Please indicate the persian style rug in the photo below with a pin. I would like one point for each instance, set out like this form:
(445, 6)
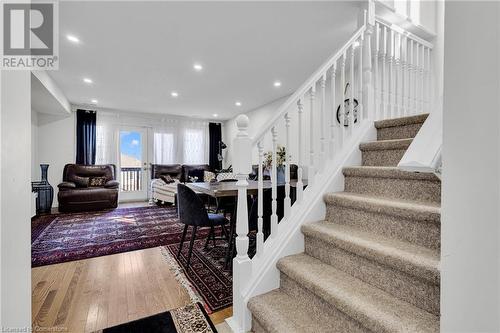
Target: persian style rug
(189, 319)
(206, 279)
(65, 237)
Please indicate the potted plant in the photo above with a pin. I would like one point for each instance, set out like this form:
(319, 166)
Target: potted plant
(280, 162)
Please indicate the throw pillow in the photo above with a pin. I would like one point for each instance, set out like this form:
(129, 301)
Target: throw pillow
(167, 179)
(226, 176)
(97, 181)
(208, 176)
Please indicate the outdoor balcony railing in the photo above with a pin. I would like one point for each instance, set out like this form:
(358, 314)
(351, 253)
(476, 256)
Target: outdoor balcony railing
(130, 179)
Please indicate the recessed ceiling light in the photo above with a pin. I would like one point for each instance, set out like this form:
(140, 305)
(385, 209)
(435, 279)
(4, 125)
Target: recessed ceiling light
(277, 83)
(237, 103)
(94, 101)
(73, 39)
(215, 115)
(87, 80)
(174, 94)
(197, 67)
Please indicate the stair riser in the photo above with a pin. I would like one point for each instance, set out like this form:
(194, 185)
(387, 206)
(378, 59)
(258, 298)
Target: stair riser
(417, 232)
(398, 132)
(408, 189)
(387, 157)
(320, 309)
(401, 285)
(257, 327)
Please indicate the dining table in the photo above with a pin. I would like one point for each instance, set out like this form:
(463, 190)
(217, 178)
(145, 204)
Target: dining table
(229, 189)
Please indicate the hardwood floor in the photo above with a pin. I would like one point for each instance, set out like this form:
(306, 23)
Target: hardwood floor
(96, 293)
(92, 294)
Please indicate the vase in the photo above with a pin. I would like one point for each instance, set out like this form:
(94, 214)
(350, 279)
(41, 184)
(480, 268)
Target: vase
(45, 192)
(280, 171)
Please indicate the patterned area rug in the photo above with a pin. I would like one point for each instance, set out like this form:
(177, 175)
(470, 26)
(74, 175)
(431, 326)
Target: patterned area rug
(65, 237)
(189, 319)
(206, 275)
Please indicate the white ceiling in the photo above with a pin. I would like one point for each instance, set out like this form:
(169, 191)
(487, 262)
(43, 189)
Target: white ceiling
(138, 52)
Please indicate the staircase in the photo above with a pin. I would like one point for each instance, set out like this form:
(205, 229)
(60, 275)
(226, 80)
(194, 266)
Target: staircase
(373, 264)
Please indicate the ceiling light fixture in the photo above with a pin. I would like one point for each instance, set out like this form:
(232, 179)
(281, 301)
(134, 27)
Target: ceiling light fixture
(355, 44)
(174, 94)
(87, 80)
(277, 84)
(237, 103)
(197, 67)
(73, 39)
(94, 101)
(215, 115)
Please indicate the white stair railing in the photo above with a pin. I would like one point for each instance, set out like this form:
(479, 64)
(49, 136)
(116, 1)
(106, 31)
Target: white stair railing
(402, 72)
(326, 117)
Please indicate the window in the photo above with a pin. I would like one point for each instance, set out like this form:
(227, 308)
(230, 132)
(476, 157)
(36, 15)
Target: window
(194, 146)
(164, 148)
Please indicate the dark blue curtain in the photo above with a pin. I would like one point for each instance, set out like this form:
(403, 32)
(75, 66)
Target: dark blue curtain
(85, 137)
(215, 141)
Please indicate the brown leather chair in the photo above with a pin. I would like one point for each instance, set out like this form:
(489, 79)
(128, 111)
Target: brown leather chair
(88, 187)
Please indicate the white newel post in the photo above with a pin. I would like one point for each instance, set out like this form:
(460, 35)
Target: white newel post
(368, 93)
(242, 266)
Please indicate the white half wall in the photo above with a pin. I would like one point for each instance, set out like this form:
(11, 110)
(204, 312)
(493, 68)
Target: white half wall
(470, 184)
(15, 203)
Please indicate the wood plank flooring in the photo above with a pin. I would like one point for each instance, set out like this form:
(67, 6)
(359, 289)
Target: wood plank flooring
(92, 294)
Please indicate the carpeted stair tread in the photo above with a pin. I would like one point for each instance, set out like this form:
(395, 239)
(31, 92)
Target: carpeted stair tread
(403, 121)
(275, 311)
(370, 306)
(409, 209)
(387, 172)
(386, 144)
(415, 260)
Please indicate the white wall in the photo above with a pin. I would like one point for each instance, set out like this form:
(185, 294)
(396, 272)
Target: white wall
(15, 197)
(35, 166)
(55, 145)
(470, 187)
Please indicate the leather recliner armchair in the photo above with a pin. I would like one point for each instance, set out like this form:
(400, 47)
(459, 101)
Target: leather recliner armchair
(88, 187)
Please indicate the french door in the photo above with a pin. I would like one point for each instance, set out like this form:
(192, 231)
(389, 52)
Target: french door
(134, 163)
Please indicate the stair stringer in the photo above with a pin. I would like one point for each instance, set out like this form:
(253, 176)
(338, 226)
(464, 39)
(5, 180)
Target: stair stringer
(289, 239)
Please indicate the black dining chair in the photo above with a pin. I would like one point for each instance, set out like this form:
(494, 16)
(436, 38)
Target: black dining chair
(192, 212)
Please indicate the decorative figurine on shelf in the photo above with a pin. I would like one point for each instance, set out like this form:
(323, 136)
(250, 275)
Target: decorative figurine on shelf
(45, 192)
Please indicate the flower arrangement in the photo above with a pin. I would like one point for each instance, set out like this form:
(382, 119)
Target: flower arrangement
(280, 157)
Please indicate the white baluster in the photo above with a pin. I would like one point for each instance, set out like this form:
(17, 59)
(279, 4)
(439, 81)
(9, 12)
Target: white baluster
(377, 77)
(287, 202)
(260, 202)
(322, 154)
(368, 102)
(422, 88)
(342, 117)
(311, 171)
(391, 75)
(361, 109)
(383, 78)
(274, 183)
(428, 83)
(397, 78)
(415, 77)
(351, 92)
(333, 112)
(403, 76)
(242, 265)
(410, 77)
(300, 184)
